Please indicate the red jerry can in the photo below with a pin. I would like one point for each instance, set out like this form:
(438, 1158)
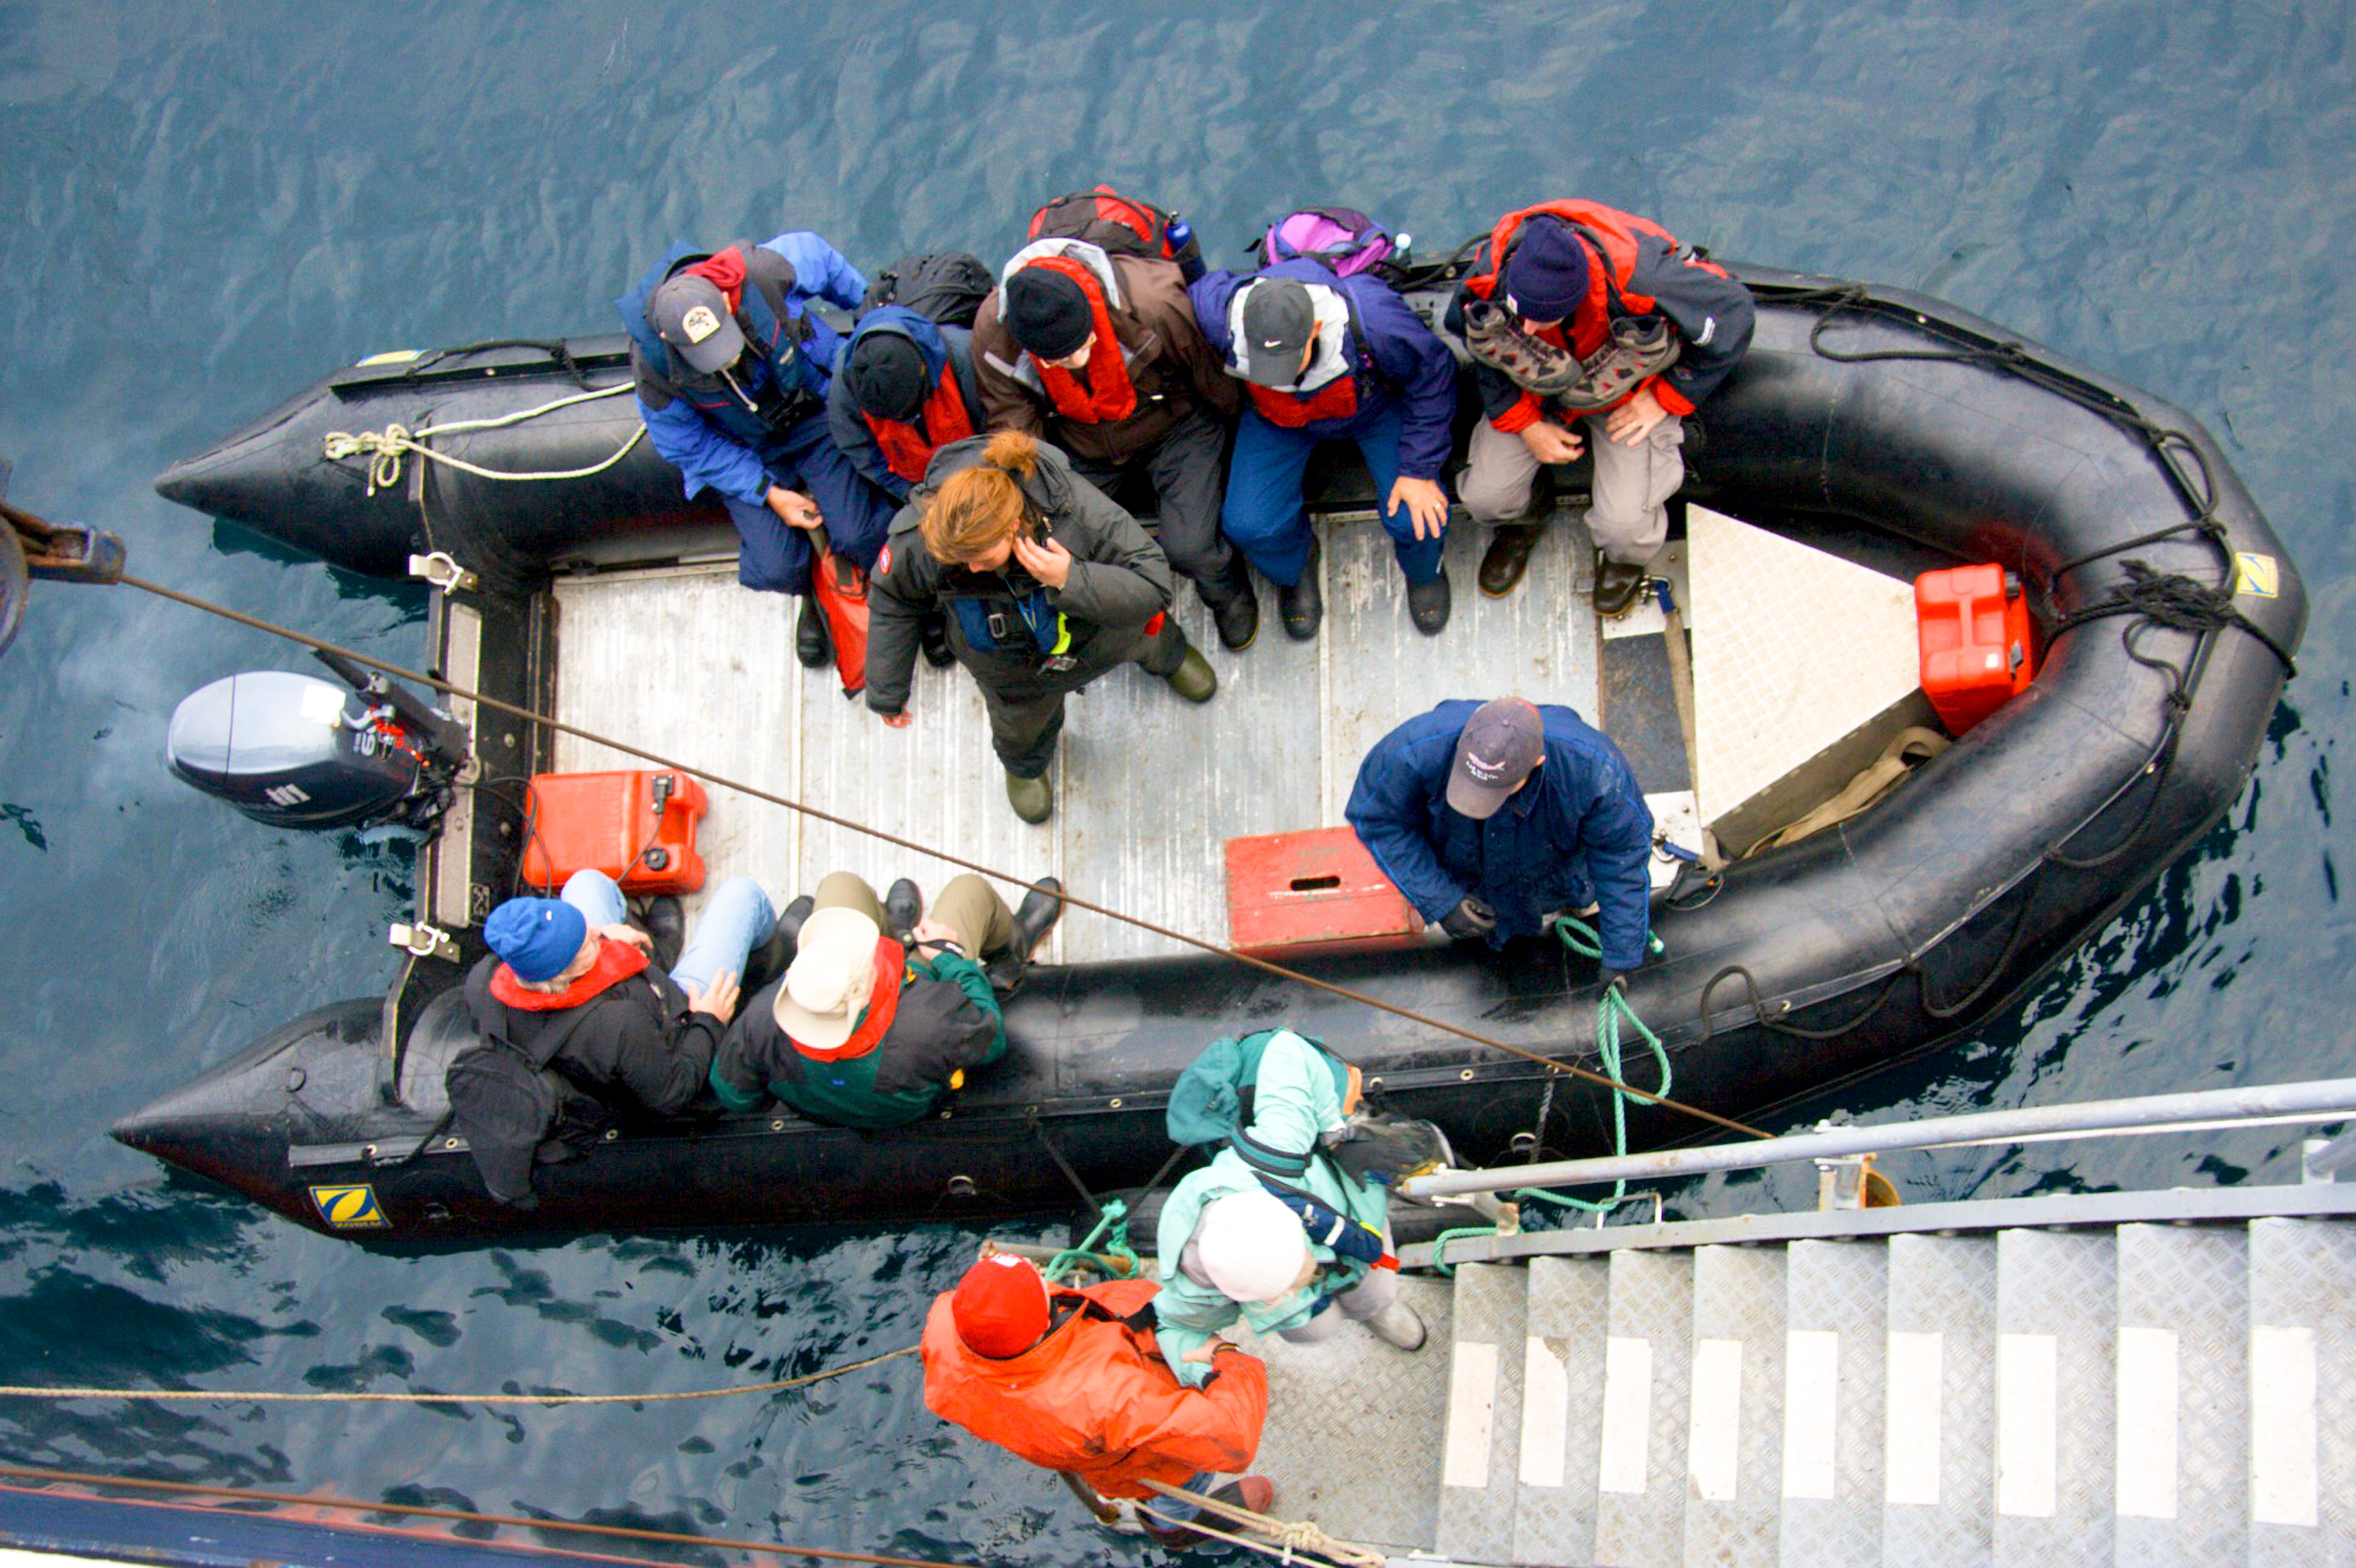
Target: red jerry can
(1287, 892)
(1976, 637)
(637, 827)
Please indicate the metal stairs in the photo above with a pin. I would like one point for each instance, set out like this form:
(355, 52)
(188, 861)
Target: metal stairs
(2144, 1394)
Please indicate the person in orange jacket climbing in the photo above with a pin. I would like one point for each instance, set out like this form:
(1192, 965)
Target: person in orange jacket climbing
(1072, 1381)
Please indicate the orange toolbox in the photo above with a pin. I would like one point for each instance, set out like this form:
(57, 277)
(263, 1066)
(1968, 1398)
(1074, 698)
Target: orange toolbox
(1291, 892)
(637, 827)
(1973, 623)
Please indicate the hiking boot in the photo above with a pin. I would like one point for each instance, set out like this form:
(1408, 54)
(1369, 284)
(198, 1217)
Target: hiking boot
(811, 644)
(1033, 918)
(1032, 799)
(1493, 336)
(1193, 678)
(1303, 605)
(1254, 1492)
(1427, 605)
(903, 906)
(666, 922)
(1617, 586)
(1397, 1324)
(933, 639)
(1507, 557)
(1239, 619)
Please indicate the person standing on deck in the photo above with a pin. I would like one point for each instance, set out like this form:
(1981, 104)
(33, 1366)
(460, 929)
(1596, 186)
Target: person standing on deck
(1275, 1230)
(732, 371)
(1048, 585)
(1576, 314)
(1100, 354)
(869, 1030)
(1331, 359)
(1491, 817)
(1073, 1381)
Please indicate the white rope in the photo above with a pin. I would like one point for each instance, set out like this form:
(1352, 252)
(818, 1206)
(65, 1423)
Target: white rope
(384, 448)
(1287, 1538)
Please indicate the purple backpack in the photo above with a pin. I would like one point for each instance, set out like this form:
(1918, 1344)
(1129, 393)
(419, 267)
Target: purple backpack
(1347, 240)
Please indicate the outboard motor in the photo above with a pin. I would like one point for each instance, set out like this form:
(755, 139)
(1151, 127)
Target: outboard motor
(294, 751)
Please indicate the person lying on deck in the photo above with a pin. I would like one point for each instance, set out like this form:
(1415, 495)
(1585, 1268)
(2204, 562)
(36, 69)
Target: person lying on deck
(869, 1030)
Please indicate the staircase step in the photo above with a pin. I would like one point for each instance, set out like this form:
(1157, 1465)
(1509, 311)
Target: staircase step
(2057, 1359)
(1735, 1433)
(2182, 1489)
(1836, 1305)
(1647, 1389)
(1562, 1410)
(1484, 1414)
(2302, 1392)
(1938, 1476)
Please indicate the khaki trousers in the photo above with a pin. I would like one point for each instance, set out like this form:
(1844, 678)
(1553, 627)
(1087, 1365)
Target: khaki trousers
(1628, 513)
(967, 906)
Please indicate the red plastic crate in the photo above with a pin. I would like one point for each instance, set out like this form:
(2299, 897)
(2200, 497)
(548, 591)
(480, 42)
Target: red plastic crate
(1290, 891)
(1977, 642)
(607, 822)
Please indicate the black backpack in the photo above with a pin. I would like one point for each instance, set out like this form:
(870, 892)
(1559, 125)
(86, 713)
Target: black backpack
(945, 287)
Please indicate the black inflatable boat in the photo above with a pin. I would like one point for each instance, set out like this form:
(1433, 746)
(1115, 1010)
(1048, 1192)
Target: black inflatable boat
(1882, 426)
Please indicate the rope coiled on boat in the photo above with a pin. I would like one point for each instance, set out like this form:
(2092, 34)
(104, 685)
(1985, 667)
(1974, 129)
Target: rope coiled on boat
(385, 448)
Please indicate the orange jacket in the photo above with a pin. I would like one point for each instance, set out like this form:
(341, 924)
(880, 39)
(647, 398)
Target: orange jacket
(1094, 1399)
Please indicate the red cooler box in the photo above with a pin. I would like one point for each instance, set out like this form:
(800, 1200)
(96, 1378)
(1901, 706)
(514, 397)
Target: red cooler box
(1973, 623)
(637, 827)
(1291, 893)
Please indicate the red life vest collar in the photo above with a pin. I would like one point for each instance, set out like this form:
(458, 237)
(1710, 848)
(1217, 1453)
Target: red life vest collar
(617, 962)
(1601, 228)
(1337, 399)
(1102, 393)
(908, 447)
(882, 1005)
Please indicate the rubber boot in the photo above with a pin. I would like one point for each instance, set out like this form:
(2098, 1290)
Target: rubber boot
(1617, 586)
(1193, 679)
(1427, 605)
(1033, 918)
(1398, 1325)
(1032, 799)
(1507, 557)
(666, 922)
(773, 957)
(811, 644)
(1237, 616)
(1303, 605)
(903, 906)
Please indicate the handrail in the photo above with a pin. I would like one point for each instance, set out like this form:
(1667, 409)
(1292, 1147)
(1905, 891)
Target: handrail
(2320, 1100)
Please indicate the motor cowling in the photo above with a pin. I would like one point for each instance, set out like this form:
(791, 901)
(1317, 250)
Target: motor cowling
(293, 751)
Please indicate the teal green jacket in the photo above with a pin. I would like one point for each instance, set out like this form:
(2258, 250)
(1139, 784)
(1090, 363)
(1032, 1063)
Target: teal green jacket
(1296, 1101)
(947, 1020)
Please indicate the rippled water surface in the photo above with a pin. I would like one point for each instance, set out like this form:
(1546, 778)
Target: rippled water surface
(205, 207)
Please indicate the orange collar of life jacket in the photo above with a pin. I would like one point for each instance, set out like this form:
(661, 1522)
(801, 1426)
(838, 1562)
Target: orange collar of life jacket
(617, 962)
(1106, 396)
(908, 447)
(882, 1006)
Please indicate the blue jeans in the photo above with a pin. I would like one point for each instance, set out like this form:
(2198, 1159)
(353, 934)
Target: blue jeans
(858, 516)
(736, 919)
(1204, 1483)
(1264, 516)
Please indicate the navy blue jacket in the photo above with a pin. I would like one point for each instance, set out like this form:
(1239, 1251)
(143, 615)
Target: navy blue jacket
(786, 273)
(1395, 357)
(1578, 830)
(938, 345)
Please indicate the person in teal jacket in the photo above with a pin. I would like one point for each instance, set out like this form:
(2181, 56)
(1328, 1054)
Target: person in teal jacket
(1236, 1242)
(866, 1030)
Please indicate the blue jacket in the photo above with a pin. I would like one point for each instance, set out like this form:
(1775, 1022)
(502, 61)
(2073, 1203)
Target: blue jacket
(1395, 357)
(951, 346)
(1578, 830)
(711, 450)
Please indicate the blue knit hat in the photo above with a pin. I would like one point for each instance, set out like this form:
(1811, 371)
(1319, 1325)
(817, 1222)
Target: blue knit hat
(1546, 276)
(538, 937)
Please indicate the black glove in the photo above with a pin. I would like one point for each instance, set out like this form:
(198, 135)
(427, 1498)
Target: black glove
(1385, 1150)
(1470, 917)
(1611, 979)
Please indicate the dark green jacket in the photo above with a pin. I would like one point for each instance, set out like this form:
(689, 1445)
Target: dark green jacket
(948, 1019)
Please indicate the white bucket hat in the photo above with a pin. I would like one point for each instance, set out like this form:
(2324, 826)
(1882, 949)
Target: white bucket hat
(1251, 1245)
(827, 988)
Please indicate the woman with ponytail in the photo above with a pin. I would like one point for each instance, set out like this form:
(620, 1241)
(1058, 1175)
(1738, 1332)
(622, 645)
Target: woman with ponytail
(1047, 584)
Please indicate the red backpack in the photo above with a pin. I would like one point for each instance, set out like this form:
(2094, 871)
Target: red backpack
(1122, 225)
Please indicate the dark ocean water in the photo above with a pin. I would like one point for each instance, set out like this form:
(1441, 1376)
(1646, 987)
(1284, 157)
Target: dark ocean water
(205, 207)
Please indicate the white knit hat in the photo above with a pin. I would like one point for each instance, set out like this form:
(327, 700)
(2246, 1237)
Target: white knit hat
(1251, 1245)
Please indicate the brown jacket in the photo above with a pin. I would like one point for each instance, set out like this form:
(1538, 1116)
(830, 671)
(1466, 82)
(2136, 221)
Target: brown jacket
(1175, 371)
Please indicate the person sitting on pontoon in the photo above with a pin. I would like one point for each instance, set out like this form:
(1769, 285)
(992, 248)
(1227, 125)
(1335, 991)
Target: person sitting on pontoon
(1490, 818)
(866, 1029)
(1070, 1381)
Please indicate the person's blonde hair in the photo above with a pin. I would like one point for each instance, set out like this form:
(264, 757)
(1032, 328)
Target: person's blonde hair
(978, 508)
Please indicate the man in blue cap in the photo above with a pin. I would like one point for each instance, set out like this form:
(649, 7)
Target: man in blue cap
(571, 985)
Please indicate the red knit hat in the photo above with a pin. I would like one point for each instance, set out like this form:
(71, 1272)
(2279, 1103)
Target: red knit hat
(1000, 1306)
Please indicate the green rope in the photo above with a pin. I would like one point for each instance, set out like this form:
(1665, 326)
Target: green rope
(1113, 1216)
(1582, 938)
(1439, 1244)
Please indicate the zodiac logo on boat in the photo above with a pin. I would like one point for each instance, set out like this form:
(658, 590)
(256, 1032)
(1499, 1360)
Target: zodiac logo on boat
(350, 1207)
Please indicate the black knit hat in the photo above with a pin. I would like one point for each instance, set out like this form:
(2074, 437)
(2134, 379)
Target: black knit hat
(1545, 277)
(886, 373)
(1047, 312)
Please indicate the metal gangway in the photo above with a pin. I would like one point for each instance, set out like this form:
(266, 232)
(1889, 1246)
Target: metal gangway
(2143, 1377)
